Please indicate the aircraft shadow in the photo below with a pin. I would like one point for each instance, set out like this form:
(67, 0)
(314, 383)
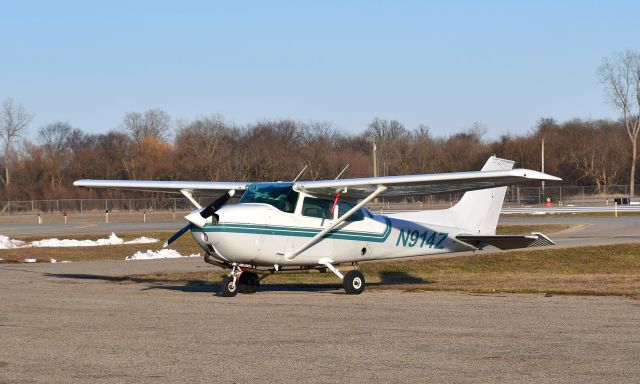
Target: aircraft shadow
(386, 278)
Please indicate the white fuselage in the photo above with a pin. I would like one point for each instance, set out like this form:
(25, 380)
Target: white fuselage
(260, 235)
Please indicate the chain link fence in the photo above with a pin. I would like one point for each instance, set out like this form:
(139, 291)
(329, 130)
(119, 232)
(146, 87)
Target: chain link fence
(516, 196)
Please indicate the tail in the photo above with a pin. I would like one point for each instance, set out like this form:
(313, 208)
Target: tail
(476, 213)
(479, 211)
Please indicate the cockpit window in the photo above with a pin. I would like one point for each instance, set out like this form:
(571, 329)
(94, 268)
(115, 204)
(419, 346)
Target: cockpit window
(280, 195)
(344, 207)
(320, 208)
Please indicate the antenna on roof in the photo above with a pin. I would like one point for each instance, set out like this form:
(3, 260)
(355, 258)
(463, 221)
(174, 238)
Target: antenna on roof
(301, 172)
(341, 172)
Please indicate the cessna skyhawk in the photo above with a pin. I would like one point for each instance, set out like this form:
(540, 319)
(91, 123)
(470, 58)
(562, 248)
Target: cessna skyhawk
(299, 226)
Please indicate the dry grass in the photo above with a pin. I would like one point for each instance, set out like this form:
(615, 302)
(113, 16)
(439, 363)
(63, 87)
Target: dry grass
(602, 270)
(599, 270)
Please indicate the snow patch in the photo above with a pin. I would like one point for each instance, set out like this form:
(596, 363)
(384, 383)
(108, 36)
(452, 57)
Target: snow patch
(29, 260)
(142, 240)
(53, 261)
(113, 239)
(161, 254)
(7, 243)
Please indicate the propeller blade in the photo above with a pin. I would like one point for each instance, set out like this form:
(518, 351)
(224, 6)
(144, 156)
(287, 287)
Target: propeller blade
(213, 207)
(199, 218)
(177, 235)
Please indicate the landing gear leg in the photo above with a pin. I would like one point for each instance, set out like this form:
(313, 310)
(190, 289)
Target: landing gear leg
(229, 287)
(353, 281)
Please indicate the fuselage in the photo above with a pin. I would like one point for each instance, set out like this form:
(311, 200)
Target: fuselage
(259, 231)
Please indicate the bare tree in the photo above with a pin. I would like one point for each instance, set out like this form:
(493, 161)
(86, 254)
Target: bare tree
(393, 140)
(620, 75)
(204, 146)
(14, 120)
(58, 141)
(153, 123)
(594, 151)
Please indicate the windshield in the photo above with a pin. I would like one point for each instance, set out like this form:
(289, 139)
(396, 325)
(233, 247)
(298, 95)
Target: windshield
(280, 195)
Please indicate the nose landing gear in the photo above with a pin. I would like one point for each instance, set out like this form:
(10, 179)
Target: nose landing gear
(239, 281)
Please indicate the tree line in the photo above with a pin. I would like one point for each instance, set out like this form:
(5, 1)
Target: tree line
(582, 152)
(151, 146)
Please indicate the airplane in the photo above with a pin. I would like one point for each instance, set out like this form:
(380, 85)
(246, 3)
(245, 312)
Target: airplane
(308, 226)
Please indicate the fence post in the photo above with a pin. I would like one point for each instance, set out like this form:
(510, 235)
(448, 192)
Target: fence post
(81, 206)
(57, 206)
(539, 196)
(32, 210)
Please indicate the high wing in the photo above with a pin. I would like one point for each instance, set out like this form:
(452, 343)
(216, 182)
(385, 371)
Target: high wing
(422, 184)
(435, 183)
(198, 187)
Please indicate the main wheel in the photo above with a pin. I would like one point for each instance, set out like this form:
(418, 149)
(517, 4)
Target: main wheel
(248, 282)
(228, 288)
(353, 282)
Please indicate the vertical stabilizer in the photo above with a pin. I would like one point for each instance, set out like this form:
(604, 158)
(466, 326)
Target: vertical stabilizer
(478, 211)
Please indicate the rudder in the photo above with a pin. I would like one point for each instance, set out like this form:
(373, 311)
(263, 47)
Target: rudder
(479, 211)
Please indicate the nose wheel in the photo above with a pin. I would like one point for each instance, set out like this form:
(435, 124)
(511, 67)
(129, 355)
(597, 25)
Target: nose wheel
(239, 281)
(229, 287)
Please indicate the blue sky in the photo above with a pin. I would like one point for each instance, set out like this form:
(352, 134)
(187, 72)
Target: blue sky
(445, 64)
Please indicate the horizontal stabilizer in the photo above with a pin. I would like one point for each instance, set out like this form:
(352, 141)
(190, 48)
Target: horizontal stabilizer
(535, 239)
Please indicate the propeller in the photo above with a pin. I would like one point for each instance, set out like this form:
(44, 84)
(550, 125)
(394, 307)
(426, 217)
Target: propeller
(199, 217)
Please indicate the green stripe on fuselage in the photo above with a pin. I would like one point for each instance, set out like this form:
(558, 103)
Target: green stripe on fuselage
(276, 230)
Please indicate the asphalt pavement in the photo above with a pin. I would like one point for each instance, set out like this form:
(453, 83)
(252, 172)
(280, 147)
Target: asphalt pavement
(77, 323)
(72, 323)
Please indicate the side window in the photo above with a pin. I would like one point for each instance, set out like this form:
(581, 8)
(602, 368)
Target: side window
(317, 208)
(344, 207)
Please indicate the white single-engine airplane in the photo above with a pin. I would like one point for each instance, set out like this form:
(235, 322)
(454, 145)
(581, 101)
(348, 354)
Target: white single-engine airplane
(301, 226)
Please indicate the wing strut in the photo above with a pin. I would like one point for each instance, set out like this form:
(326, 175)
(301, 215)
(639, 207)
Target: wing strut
(188, 195)
(315, 239)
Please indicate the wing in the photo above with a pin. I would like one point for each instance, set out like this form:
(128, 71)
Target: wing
(199, 187)
(496, 173)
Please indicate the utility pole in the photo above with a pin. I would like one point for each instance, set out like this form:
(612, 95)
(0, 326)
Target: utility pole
(375, 160)
(375, 164)
(542, 156)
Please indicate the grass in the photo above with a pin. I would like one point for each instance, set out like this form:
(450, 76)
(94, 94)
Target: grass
(601, 270)
(597, 270)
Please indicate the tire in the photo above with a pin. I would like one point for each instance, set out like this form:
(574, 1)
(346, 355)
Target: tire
(353, 282)
(248, 282)
(227, 288)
